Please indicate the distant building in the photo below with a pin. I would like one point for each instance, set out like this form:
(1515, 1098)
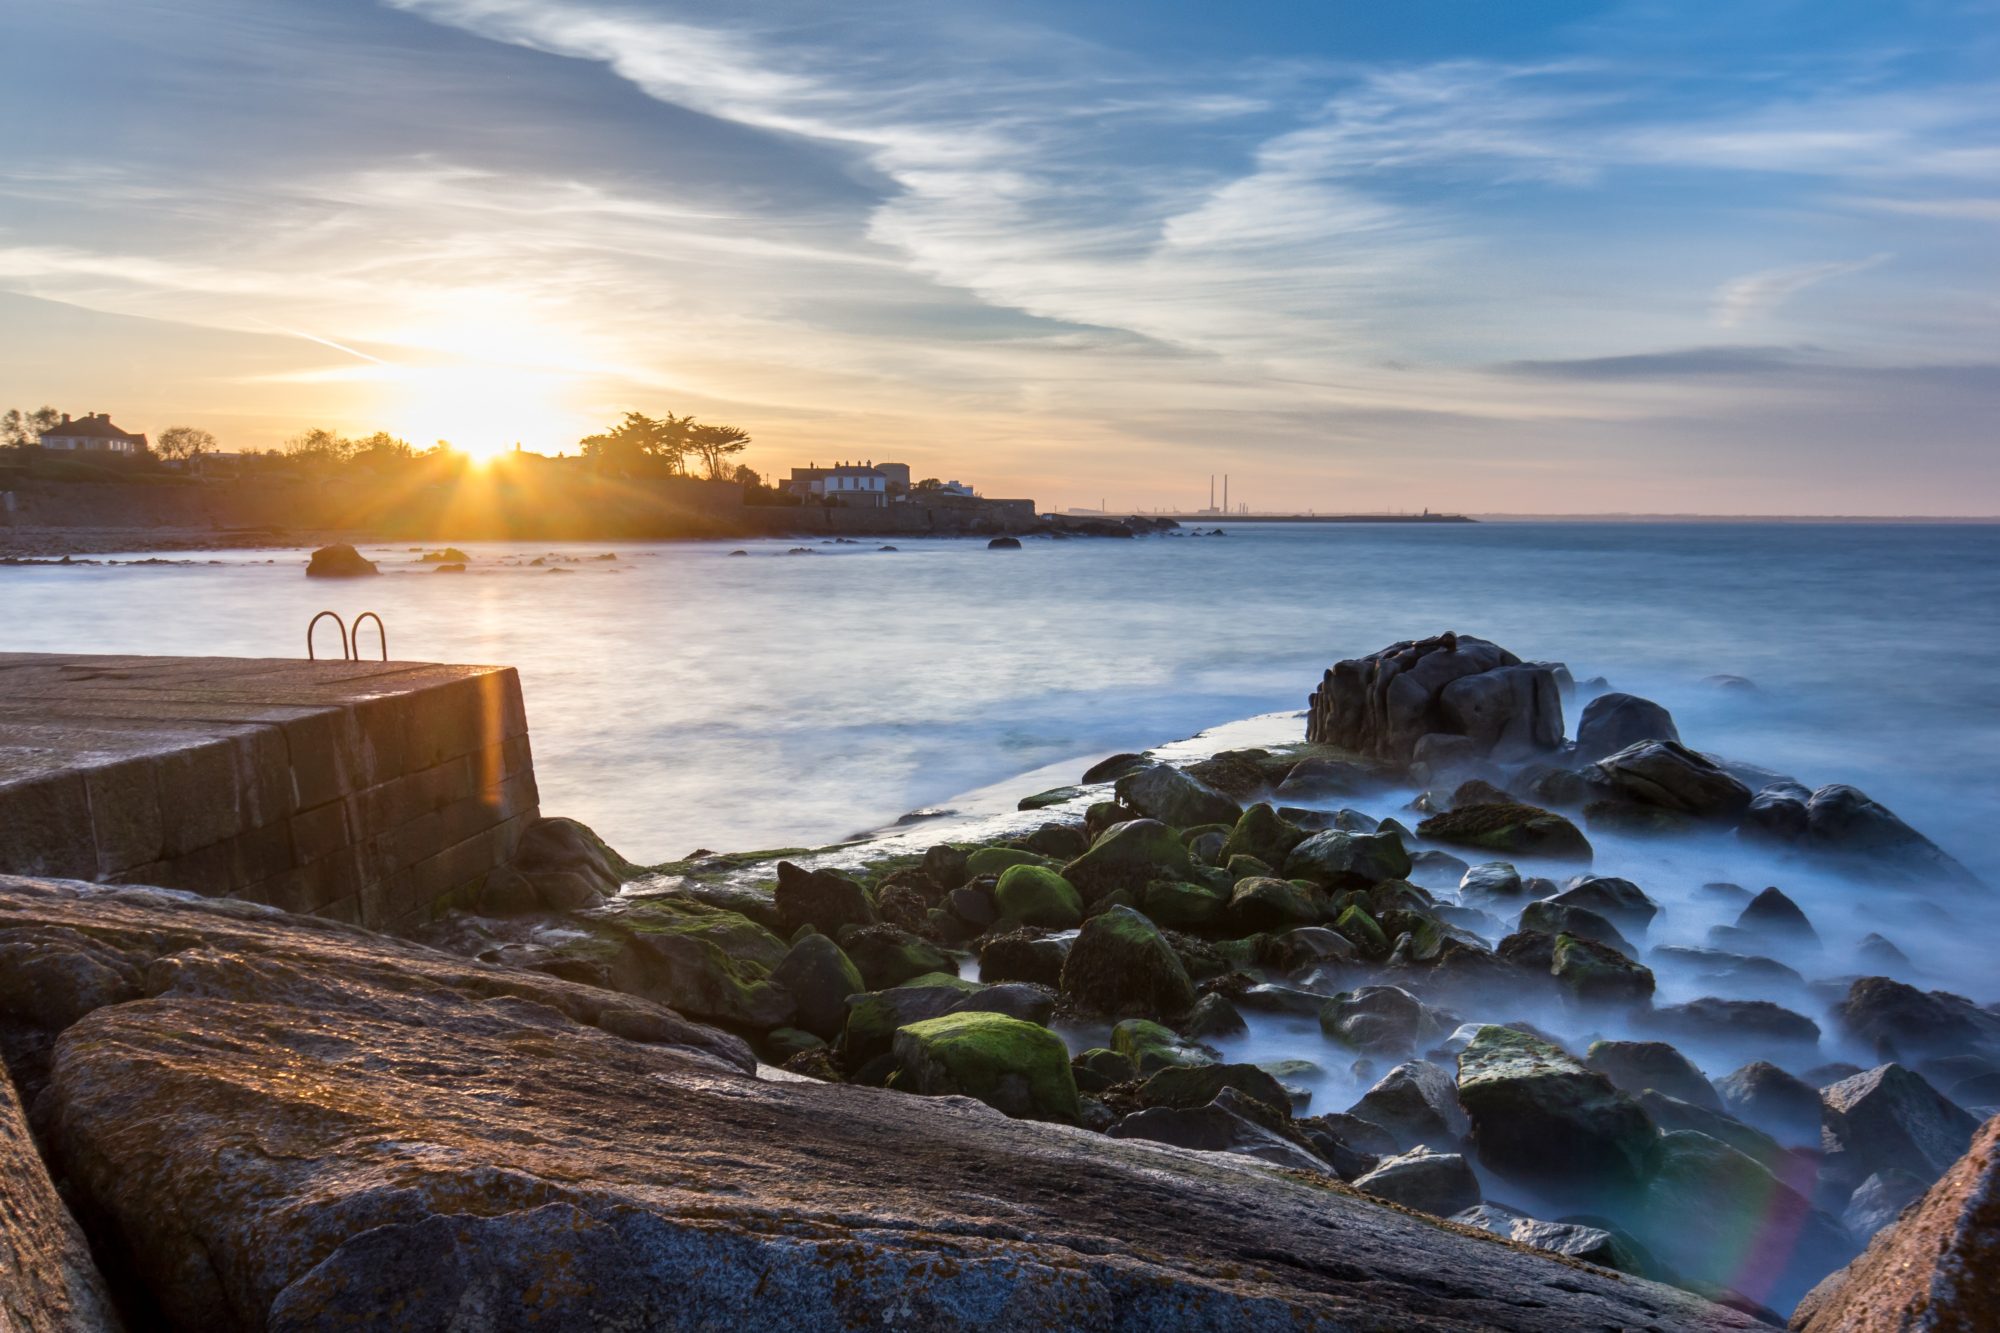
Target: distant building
(92, 433)
(957, 488)
(854, 485)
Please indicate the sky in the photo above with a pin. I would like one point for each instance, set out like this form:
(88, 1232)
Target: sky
(1547, 256)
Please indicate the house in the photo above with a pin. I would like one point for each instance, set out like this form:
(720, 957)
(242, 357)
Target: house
(853, 485)
(92, 433)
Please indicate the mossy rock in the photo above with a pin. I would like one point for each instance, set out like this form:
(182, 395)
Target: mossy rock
(1264, 834)
(1361, 930)
(1185, 1087)
(1019, 1068)
(1510, 828)
(1101, 1067)
(1122, 965)
(711, 965)
(1340, 860)
(872, 1019)
(1152, 1046)
(994, 860)
(826, 900)
(1242, 866)
(888, 956)
(1598, 973)
(1190, 835)
(820, 977)
(1179, 905)
(1275, 904)
(782, 1044)
(1037, 896)
(1171, 795)
(1127, 856)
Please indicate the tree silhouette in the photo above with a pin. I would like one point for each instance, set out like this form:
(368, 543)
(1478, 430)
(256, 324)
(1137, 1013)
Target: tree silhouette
(185, 442)
(712, 444)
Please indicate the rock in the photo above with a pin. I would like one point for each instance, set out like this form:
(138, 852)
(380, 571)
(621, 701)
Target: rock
(1619, 901)
(1672, 777)
(1023, 955)
(995, 861)
(1205, 847)
(820, 977)
(1036, 896)
(1707, 1201)
(339, 561)
(1170, 795)
(1891, 1119)
(1238, 774)
(1126, 856)
(1104, 770)
(1754, 1023)
(783, 1045)
(1121, 964)
(888, 956)
(1004, 544)
(1437, 759)
(1541, 1118)
(1493, 882)
(1842, 821)
(1188, 1086)
(1634, 1066)
(1775, 817)
(1337, 860)
(1179, 905)
(1763, 1095)
(1417, 1104)
(708, 964)
(1262, 833)
(304, 1124)
(1275, 904)
(1673, 1113)
(1058, 842)
(1100, 1068)
(1476, 791)
(1435, 869)
(1430, 1182)
(826, 900)
(1317, 779)
(1598, 974)
(1220, 1126)
(1549, 917)
(1382, 1020)
(1938, 1268)
(947, 866)
(1381, 705)
(1018, 1068)
(1213, 1016)
(1613, 722)
(48, 1279)
(453, 568)
(873, 1018)
(1879, 1200)
(1152, 1046)
(1593, 1245)
(1900, 1022)
(1772, 916)
(1516, 830)
(564, 866)
(1880, 955)
(1722, 970)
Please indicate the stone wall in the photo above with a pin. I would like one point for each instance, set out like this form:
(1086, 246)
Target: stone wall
(376, 793)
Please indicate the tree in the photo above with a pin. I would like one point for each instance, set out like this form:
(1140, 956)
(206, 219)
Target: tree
(21, 429)
(378, 451)
(712, 444)
(928, 484)
(747, 476)
(179, 442)
(319, 445)
(639, 439)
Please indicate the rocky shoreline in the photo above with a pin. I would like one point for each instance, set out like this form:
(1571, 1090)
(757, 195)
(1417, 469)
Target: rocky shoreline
(989, 1082)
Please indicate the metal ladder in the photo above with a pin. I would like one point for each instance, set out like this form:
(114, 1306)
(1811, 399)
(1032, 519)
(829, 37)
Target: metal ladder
(350, 642)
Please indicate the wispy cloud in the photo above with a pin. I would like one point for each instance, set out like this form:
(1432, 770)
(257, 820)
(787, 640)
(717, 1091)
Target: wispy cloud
(1755, 296)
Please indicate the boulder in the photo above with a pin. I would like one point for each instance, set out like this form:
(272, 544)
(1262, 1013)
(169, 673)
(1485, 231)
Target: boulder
(1338, 860)
(1938, 1268)
(1891, 1119)
(889, 956)
(1782, 1105)
(1879, 1200)
(1383, 1020)
(1122, 965)
(1774, 816)
(1417, 1104)
(826, 900)
(1319, 778)
(1549, 917)
(1707, 1204)
(1231, 1123)
(1020, 1069)
(1104, 770)
(567, 865)
(946, 866)
(819, 977)
(1038, 896)
(1181, 905)
(995, 861)
(1100, 1068)
(874, 1018)
(1188, 1086)
(339, 561)
(1673, 1113)
(1494, 882)
(1275, 904)
(48, 1279)
(1514, 830)
(1126, 856)
(1776, 919)
(1549, 1122)
(1634, 1066)
(1023, 955)
(1619, 901)
(1596, 973)
(302, 1124)
(1593, 1245)
(1213, 1016)
(1170, 795)
(1059, 842)
(1842, 821)
(1900, 1022)
(1739, 1023)
(709, 964)
(1152, 1046)
(1381, 705)
(1430, 1182)
(1264, 834)
(1672, 777)
(1613, 722)
(1004, 544)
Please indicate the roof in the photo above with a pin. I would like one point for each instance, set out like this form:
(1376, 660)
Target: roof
(852, 471)
(95, 426)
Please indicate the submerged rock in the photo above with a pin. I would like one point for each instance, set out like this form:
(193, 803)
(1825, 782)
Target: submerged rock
(339, 561)
(1338, 860)
(1383, 1020)
(1619, 901)
(1843, 821)
(1736, 1023)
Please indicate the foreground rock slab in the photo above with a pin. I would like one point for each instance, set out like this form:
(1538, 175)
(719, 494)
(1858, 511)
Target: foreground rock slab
(47, 1277)
(275, 1123)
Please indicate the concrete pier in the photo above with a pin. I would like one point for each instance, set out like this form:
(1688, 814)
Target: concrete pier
(372, 792)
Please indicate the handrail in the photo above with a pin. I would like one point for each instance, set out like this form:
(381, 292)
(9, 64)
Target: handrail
(346, 647)
(354, 642)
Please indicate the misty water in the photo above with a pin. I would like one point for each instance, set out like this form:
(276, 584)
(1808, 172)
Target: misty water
(682, 696)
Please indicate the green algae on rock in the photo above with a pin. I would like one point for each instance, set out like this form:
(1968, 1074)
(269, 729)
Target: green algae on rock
(1021, 1069)
(1035, 895)
(1512, 829)
(1121, 964)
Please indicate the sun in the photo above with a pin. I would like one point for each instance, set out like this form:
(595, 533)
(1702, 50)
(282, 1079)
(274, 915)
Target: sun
(483, 411)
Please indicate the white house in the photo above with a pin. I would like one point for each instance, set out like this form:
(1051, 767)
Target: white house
(860, 485)
(92, 433)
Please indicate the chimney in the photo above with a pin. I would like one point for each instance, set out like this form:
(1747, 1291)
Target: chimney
(65, 420)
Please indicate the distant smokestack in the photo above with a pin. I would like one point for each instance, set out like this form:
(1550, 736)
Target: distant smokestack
(1211, 490)
(1225, 492)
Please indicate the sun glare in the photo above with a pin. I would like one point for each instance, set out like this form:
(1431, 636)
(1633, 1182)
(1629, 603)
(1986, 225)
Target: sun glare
(483, 411)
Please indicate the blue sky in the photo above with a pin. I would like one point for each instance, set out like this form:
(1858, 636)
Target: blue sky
(1549, 257)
